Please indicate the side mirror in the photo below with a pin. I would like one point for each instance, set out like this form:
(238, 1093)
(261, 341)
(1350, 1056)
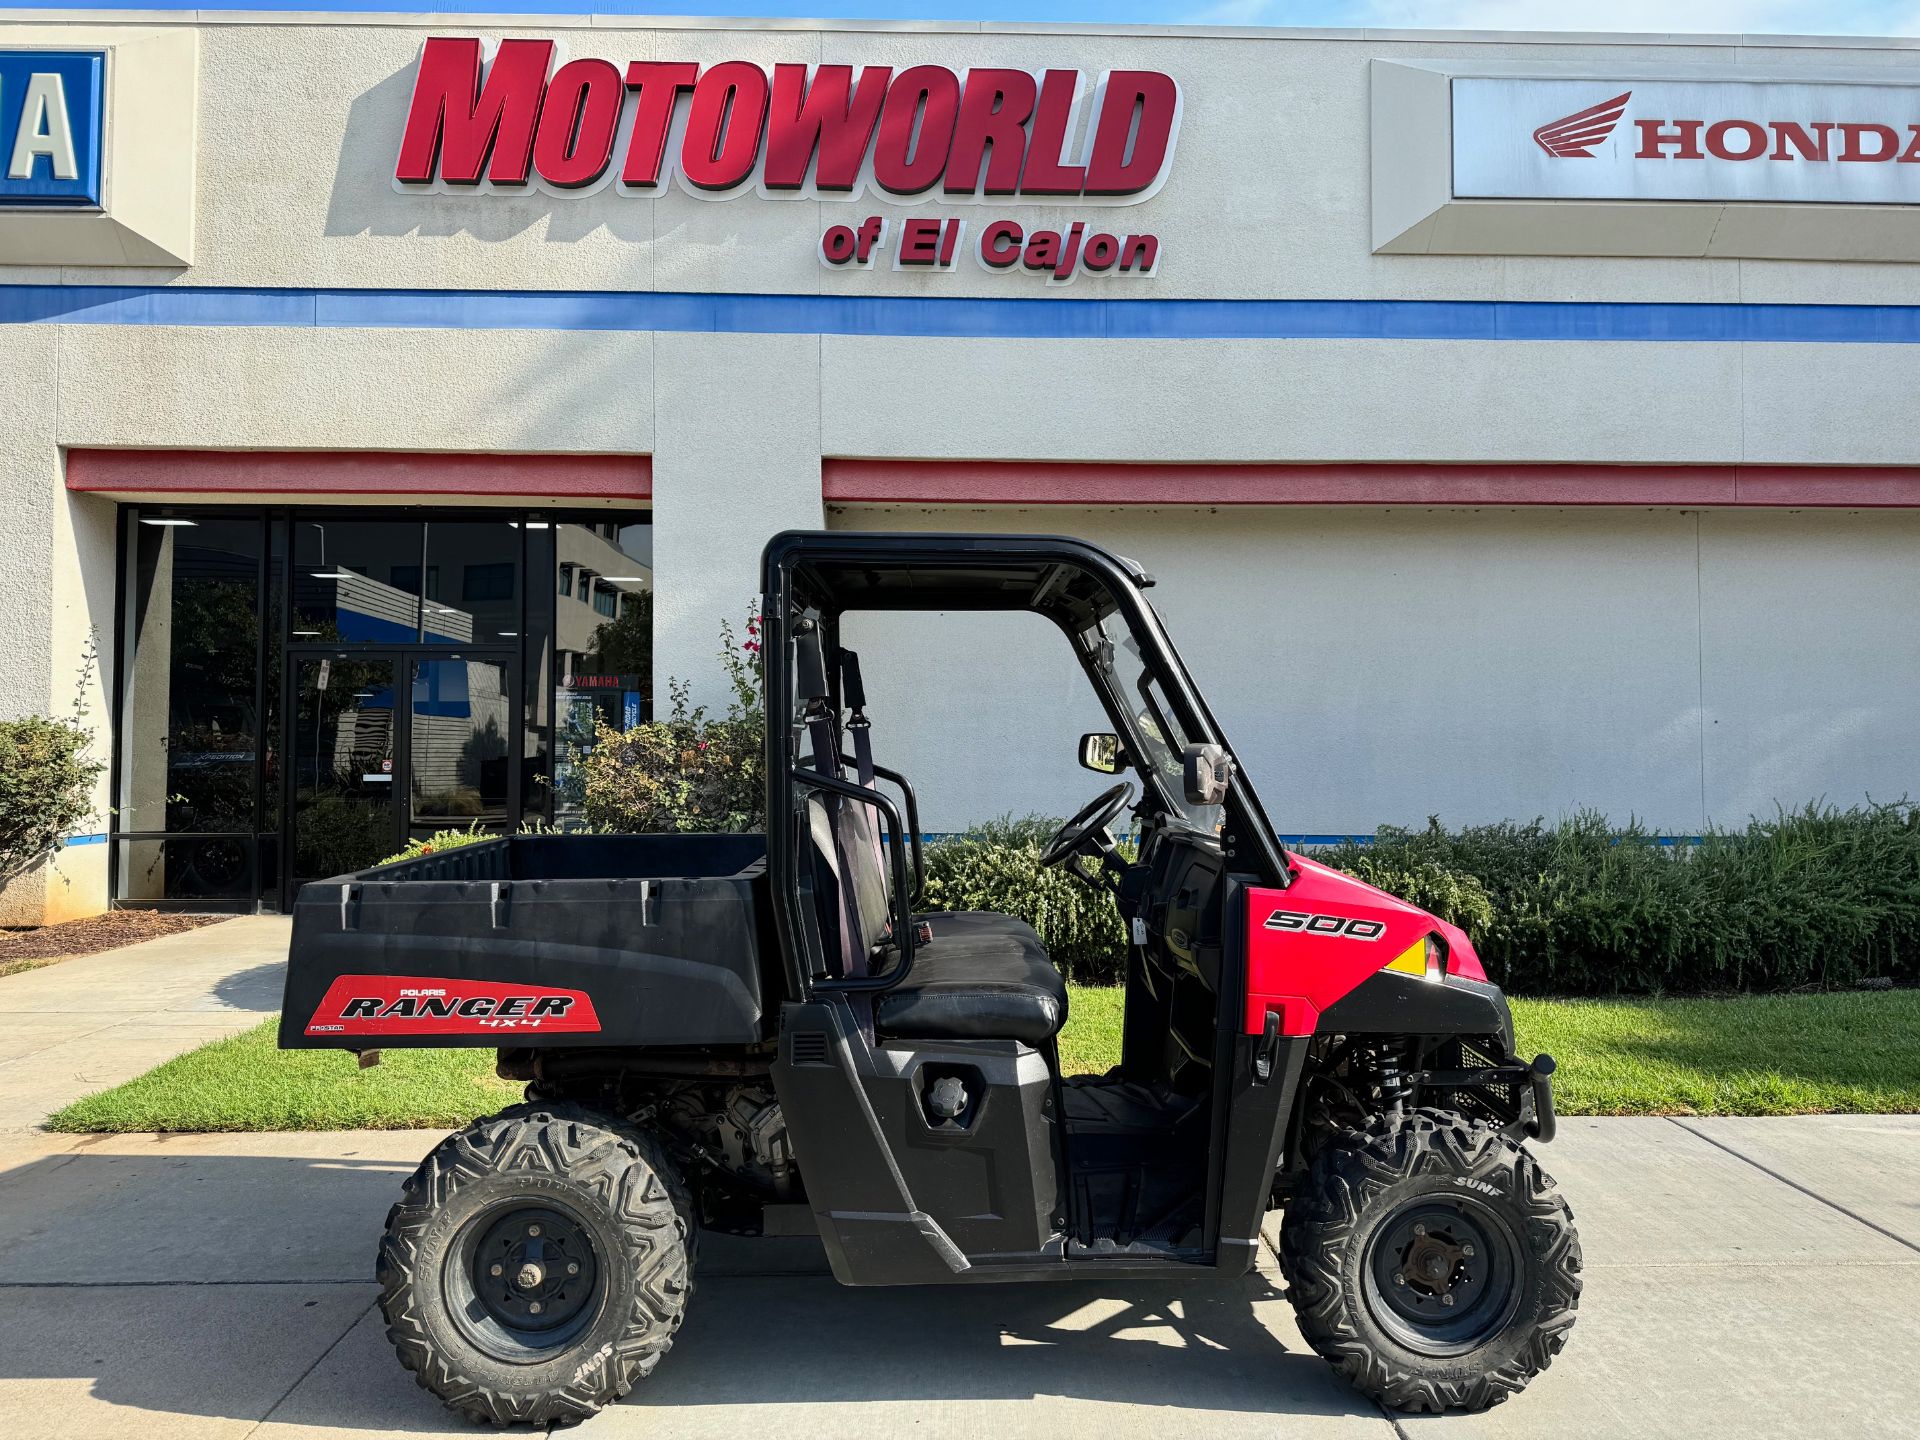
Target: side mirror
(1208, 772)
(1102, 753)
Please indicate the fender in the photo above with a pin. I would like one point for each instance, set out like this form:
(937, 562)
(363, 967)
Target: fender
(1328, 937)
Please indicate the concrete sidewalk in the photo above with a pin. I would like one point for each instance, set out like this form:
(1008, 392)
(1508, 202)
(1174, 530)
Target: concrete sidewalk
(96, 1020)
(1744, 1278)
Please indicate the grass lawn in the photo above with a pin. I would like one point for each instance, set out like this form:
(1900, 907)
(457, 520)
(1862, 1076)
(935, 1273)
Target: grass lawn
(1770, 1055)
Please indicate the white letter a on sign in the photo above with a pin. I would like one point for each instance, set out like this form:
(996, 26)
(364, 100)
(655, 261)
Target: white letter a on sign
(44, 130)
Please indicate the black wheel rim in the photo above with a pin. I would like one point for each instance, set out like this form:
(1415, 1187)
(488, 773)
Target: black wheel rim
(524, 1280)
(1442, 1275)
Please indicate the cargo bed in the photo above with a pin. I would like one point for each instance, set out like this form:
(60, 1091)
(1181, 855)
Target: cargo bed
(537, 940)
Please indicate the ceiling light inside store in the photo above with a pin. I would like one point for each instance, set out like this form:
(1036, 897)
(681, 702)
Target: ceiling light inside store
(626, 579)
(146, 520)
(333, 575)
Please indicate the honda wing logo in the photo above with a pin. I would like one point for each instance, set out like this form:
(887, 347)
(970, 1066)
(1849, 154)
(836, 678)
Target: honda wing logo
(1574, 136)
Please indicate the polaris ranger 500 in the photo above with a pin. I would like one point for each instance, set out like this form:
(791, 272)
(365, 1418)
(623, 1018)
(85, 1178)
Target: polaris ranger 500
(711, 1025)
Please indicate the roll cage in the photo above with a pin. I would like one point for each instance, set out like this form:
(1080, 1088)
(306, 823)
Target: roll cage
(816, 577)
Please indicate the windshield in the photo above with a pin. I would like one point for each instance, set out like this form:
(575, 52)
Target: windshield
(1155, 739)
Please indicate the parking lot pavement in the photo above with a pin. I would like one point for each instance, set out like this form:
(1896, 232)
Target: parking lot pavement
(96, 1020)
(1744, 1278)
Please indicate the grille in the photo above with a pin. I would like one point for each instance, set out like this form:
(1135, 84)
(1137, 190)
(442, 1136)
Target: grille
(807, 1047)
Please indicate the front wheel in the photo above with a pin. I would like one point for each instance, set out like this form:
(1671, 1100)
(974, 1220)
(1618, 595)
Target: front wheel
(1432, 1262)
(537, 1265)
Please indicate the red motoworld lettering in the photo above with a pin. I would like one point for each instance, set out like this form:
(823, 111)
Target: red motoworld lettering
(574, 143)
(466, 126)
(656, 90)
(723, 126)
(1004, 244)
(832, 117)
(504, 120)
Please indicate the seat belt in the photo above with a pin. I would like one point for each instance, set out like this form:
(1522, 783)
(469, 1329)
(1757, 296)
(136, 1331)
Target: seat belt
(858, 726)
(811, 684)
(860, 730)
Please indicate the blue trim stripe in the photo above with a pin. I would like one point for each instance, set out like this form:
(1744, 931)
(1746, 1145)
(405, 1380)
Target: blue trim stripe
(955, 316)
(73, 840)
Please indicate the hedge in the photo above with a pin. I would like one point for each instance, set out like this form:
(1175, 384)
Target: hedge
(997, 867)
(1813, 898)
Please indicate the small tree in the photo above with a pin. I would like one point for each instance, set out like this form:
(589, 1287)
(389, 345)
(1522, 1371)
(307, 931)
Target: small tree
(46, 780)
(691, 771)
(624, 645)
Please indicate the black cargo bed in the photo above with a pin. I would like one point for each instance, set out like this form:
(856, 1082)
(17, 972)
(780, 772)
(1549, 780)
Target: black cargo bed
(537, 940)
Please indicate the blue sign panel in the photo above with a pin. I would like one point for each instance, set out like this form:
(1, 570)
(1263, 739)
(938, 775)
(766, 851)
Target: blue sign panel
(53, 109)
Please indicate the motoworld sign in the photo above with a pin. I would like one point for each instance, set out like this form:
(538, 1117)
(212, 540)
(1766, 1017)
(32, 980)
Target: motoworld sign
(52, 121)
(1660, 139)
(521, 116)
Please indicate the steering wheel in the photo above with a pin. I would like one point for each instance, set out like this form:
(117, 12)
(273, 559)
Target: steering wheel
(1091, 821)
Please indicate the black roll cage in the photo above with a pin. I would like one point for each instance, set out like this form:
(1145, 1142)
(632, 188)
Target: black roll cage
(1065, 580)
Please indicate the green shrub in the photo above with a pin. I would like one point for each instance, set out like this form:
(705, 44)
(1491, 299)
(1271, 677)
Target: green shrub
(46, 787)
(996, 866)
(438, 841)
(688, 772)
(1815, 897)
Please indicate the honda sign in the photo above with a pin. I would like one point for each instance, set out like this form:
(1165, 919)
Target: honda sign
(1715, 140)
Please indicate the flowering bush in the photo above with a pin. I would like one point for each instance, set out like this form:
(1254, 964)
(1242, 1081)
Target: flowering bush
(690, 771)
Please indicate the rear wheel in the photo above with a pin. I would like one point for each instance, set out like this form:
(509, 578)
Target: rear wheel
(537, 1265)
(1432, 1262)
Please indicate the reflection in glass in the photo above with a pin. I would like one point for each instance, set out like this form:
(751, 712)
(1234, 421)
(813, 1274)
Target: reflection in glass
(342, 755)
(356, 581)
(188, 719)
(461, 716)
(473, 582)
(189, 867)
(603, 641)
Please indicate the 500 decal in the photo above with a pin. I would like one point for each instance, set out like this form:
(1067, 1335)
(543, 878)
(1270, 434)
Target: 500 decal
(1344, 927)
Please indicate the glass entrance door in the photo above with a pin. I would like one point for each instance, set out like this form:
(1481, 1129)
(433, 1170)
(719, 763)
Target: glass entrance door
(459, 763)
(344, 764)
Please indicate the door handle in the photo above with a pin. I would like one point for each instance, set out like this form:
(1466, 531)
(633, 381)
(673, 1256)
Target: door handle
(1266, 1054)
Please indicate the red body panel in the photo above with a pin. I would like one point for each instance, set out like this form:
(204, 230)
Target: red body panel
(416, 1005)
(1313, 942)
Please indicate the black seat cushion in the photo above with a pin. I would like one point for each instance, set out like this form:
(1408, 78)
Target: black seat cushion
(981, 977)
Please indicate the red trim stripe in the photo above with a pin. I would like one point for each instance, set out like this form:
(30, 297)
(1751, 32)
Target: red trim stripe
(359, 472)
(1001, 482)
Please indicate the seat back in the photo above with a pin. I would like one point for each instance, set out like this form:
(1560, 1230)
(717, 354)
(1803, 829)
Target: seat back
(852, 884)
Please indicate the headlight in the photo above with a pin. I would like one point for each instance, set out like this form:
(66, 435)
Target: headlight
(1436, 959)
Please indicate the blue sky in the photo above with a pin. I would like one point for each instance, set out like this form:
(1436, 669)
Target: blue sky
(1812, 17)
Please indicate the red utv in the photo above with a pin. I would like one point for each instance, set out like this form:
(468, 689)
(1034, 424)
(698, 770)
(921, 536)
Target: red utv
(713, 1026)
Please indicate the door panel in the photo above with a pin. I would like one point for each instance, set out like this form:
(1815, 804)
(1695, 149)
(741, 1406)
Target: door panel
(343, 764)
(460, 730)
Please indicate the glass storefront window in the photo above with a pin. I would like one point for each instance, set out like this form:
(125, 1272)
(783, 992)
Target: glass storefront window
(473, 582)
(603, 645)
(300, 691)
(356, 581)
(189, 714)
